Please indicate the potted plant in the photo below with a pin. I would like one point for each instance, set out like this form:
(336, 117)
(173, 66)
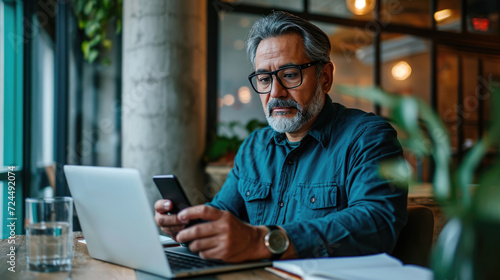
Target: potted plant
(468, 246)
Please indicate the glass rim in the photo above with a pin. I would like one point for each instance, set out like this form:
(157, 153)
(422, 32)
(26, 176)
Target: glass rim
(49, 199)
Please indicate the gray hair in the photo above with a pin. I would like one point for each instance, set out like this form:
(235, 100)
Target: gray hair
(316, 43)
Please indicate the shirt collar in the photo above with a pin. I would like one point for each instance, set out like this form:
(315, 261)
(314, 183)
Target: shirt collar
(319, 131)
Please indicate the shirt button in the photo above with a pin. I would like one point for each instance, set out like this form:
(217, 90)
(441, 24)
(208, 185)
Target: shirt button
(281, 204)
(290, 162)
(248, 193)
(313, 199)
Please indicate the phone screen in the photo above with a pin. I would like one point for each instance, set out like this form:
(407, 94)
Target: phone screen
(171, 189)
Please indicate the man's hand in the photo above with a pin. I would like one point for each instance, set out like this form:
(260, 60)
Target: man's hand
(169, 224)
(223, 237)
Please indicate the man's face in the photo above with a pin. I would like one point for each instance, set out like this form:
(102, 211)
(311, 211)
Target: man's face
(288, 110)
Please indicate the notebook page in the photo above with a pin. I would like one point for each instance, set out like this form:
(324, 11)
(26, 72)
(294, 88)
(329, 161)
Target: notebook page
(325, 266)
(408, 272)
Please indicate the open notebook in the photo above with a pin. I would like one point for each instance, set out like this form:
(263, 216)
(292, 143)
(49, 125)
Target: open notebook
(372, 267)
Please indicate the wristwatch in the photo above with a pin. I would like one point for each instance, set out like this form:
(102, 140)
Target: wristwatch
(276, 242)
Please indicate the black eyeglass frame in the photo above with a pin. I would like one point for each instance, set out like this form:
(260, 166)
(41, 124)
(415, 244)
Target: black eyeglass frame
(275, 72)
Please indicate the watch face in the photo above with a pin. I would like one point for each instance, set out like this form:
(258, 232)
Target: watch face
(278, 242)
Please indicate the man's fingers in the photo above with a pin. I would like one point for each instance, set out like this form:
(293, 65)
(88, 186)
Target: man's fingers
(204, 244)
(196, 232)
(172, 229)
(203, 212)
(164, 220)
(163, 206)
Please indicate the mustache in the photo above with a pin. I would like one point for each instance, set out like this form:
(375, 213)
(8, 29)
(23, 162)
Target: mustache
(282, 103)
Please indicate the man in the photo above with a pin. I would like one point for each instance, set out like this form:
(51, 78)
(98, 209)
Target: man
(308, 185)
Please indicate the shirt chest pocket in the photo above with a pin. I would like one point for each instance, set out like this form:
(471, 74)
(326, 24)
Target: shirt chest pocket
(255, 194)
(316, 200)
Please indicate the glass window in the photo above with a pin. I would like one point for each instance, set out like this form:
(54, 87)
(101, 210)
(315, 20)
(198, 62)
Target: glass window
(237, 101)
(483, 16)
(447, 87)
(352, 51)
(447, 15)
(476, 89)
(470, 102)
(11, 106)
(42, 108)
(355, 9)
(296, 5)
(407, 12)
(1, 82)
(405, 65)
(3, 204)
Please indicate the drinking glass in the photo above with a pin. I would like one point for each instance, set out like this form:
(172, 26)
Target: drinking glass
(49, 233)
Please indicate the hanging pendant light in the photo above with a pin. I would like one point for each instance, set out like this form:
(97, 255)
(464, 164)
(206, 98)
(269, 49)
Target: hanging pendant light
(360, 7)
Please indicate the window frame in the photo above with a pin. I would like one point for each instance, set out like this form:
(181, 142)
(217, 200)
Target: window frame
(12, 146)
(461, 42)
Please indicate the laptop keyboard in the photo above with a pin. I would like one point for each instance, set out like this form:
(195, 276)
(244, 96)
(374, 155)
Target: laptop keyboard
(180, 262)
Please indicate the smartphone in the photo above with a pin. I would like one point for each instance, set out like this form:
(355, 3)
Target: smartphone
(171, 189)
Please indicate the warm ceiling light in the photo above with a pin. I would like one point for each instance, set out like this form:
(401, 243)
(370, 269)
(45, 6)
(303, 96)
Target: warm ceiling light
(228, 99)
(442, 15)
(401, 71)
(244, 94)
(360, 7)
(239, 44)
(244, 22)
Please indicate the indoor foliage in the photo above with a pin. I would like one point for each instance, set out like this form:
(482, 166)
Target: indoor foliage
(468, 246)
(94, 17)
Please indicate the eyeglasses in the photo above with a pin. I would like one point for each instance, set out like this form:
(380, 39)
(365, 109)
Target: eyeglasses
(288, 76)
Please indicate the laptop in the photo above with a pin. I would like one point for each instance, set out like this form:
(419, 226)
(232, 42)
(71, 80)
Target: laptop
(118, 224)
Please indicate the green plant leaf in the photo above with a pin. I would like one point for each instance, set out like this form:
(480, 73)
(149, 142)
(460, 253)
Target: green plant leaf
(88, 8)
(118, 26)
(92, 56)
(218, 148)
(85, 49)
(81, 23)
(106, 61)
(234, 124)
(95, 40)
(107, 44)
(78, 6)
(91, 28)
(254, 124)
(100, 15)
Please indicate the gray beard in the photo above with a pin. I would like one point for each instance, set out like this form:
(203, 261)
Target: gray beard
(303, 116)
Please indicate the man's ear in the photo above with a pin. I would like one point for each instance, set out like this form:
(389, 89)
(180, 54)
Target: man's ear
(327, 77)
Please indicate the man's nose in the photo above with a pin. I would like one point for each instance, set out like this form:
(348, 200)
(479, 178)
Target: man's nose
(277, 90)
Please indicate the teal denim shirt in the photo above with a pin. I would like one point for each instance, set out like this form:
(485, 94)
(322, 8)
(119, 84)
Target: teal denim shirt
(326, 193)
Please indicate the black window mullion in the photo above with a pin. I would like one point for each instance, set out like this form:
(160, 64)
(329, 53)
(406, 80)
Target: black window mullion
(432, 10)
(377, 65)
(212, 71)
(305, 4)
(463, 16)
(460, 106)
(61, 95)
(480, 94)
(30, 8)
(118, 98)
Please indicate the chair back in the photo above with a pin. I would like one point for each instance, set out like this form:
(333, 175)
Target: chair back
(415, 240)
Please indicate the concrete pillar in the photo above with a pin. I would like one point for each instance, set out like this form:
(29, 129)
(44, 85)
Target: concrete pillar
(164, 91)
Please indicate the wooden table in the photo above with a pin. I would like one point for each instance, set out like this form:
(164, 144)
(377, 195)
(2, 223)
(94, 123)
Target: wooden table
(85, 267)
